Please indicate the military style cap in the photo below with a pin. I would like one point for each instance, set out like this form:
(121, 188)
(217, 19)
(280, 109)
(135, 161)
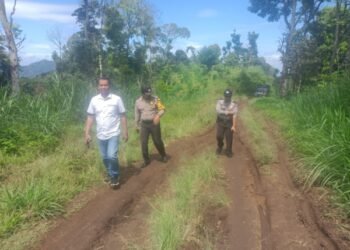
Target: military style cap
(227, 93)
(146, 90)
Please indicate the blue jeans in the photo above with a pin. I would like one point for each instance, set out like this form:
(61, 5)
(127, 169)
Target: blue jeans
(109, 153)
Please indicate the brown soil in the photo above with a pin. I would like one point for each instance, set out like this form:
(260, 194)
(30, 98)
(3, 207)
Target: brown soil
(267, 211)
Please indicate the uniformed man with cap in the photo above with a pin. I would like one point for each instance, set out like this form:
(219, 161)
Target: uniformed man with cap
(148, 111)
(226, 111)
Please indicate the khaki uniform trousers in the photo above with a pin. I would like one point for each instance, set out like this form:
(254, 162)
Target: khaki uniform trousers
(147, 129)
(223, 130)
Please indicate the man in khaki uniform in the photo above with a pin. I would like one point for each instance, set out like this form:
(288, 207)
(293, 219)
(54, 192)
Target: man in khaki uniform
(226, 111)
(148, 111)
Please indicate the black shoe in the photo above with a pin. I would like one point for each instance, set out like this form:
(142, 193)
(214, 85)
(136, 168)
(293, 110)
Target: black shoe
(218, 151)
(145, 164)
(115, 182)
(164, 158)
(229, 154)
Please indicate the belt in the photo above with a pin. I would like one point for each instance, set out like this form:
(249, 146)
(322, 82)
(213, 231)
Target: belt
(221, 119)
(147, 121)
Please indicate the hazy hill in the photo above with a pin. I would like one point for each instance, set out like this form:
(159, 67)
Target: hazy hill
(37, 68)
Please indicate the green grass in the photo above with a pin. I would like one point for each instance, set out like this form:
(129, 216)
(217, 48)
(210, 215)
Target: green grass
(39, 190)
(177, 214)
(263, 149)
(316, 124)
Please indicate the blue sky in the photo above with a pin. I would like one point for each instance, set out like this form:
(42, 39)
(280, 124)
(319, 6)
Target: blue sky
(209, 21)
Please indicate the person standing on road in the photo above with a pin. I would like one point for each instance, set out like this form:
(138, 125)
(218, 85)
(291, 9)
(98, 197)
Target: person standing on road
(108, 111)
(226, 111)
(148, 111)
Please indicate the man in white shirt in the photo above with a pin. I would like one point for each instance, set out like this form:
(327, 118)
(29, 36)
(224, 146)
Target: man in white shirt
(108, 111)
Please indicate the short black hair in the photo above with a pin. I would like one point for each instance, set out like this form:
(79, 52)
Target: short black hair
(146, 89)
(104, 78)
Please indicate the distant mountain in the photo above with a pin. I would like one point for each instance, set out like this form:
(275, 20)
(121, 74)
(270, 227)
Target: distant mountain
(37, 68)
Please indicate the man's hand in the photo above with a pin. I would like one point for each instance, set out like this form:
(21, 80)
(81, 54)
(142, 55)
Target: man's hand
(87, 140)
(156, 120)
(233, 129)
(125, 136)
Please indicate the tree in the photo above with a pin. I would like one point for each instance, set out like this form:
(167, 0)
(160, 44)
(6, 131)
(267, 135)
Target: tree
(297, 15)
(193, 52)
(134, 31)
(181, 57)
(253, 48)
(5, 67)
(88, 45)
(210, 55)
(235, 54)
(167, 34)
(11, 45)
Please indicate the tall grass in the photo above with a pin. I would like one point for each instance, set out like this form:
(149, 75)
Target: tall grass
(31, 125)
(322, 134)
(39, 190)
(317, 125)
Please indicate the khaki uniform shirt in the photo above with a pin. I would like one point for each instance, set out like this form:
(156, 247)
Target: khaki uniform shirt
(146, 110)
(226, 111)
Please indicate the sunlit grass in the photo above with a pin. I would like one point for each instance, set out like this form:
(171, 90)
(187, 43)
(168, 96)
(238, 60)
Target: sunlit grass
(317, 124)
(263, 149)
(39, 190)
(178, 214)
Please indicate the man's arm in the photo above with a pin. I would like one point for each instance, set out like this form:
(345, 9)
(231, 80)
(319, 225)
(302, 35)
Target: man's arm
(233, 128)
(161, 111)
(88, 126)
(124, 127)
(234, 115)
(137, 116)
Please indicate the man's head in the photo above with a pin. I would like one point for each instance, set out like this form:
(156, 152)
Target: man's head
(228, 94)
(146, 91)
(103, 86)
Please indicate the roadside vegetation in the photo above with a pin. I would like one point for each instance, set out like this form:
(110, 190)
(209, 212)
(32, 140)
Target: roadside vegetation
(316, 124)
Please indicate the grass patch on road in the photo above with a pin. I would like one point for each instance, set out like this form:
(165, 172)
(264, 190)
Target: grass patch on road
(263, 149)
(177, 216)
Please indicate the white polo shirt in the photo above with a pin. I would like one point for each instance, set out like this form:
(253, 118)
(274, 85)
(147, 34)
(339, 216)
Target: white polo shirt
(107, 112)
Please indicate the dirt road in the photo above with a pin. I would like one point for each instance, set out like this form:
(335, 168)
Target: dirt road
(266, 211)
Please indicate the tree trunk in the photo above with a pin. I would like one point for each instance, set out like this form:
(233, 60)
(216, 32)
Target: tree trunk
(336, 38)
(12, 48)
(287, 64)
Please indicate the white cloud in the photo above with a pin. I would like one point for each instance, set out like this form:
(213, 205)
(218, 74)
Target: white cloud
(33, 52)
(207, 13)
(43, 11)
(274, 60)
(194, 45)
(28, 58)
